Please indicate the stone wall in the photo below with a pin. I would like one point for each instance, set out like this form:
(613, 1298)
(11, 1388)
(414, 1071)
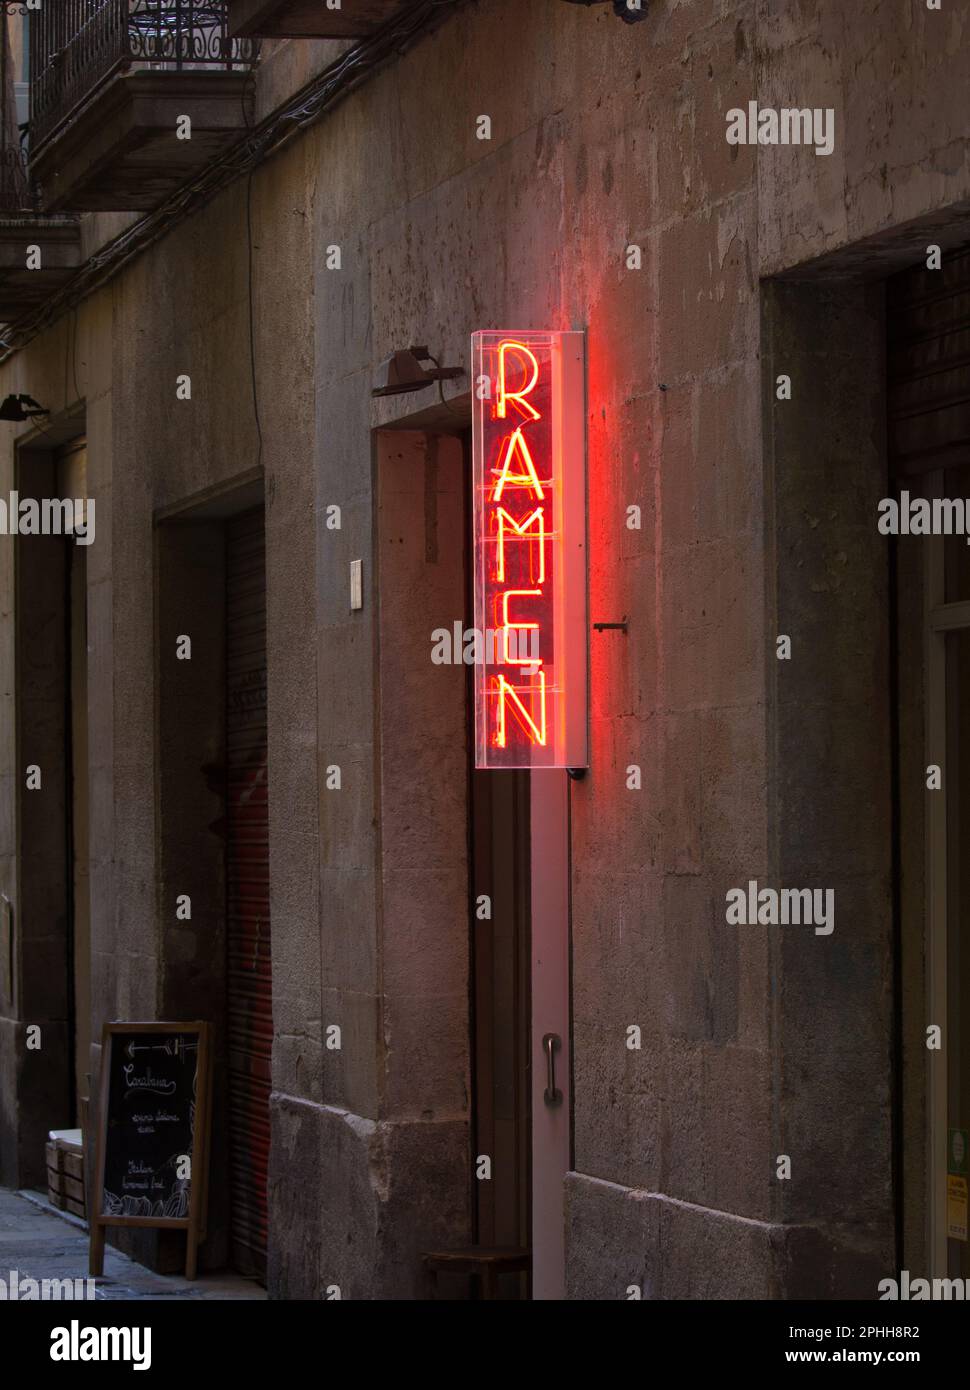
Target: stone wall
(603, 138)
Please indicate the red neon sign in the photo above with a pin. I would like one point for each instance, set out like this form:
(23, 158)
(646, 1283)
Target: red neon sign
(529, 457)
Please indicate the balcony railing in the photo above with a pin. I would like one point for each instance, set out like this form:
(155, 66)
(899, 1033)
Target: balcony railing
(14, 195)
(14, 192)
(76, 45)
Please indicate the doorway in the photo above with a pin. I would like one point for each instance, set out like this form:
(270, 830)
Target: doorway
(45, 940)
(212, 833)
(953, 1175)
(929, 430)
(488, 893)
(501, 995)
(520, 836)
(947, 904)
(72, 484)
(249, 958)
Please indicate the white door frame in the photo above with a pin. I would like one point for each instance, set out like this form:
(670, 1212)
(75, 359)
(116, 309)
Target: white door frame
(549, 815)
(941, 618)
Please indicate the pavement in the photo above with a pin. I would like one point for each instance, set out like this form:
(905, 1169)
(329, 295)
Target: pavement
(39, 1242)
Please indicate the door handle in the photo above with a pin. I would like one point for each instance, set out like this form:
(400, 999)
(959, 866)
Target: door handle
(552, 1095)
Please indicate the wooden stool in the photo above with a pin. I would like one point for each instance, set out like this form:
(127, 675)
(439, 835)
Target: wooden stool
(484, 1262)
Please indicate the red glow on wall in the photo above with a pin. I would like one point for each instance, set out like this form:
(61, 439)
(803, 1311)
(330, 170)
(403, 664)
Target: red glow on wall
(529, 457)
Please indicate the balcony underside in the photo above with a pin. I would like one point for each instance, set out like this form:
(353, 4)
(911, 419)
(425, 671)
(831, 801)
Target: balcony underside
(120, 152)
(58, 242)
(310, 19)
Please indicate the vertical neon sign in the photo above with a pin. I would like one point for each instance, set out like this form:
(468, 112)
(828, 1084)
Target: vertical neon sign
(529, 460)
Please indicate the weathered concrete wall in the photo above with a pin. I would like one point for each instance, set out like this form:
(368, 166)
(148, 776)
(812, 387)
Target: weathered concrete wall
(603, 137)
(533, 227)
(896, 75)
(686, 1118)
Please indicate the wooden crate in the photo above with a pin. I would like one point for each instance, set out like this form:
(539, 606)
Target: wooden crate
(73, 1165)
(55, 1178)
(65, 1176)
(74, 1194)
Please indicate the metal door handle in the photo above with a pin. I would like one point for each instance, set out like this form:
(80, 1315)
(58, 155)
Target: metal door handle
(551, 1095)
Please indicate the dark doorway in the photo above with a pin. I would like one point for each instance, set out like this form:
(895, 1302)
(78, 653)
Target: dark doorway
(72, 484)
(250, 999)
(501, 990)
(44, 971)
(928, 313)
(500, 970)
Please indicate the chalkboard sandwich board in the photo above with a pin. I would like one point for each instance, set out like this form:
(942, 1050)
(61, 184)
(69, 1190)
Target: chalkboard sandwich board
(153, 1133)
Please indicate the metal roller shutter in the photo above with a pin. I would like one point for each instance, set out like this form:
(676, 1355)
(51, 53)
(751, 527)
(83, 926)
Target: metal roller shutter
(250, 1004)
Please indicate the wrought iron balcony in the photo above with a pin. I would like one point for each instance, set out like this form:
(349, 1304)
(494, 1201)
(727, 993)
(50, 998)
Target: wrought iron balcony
(77, 45)
(38, 255)
(312, 19)
(110, 82)
(14, 192)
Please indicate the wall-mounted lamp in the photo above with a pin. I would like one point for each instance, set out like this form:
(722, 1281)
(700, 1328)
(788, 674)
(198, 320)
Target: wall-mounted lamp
(402, 372)
(21, 408)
